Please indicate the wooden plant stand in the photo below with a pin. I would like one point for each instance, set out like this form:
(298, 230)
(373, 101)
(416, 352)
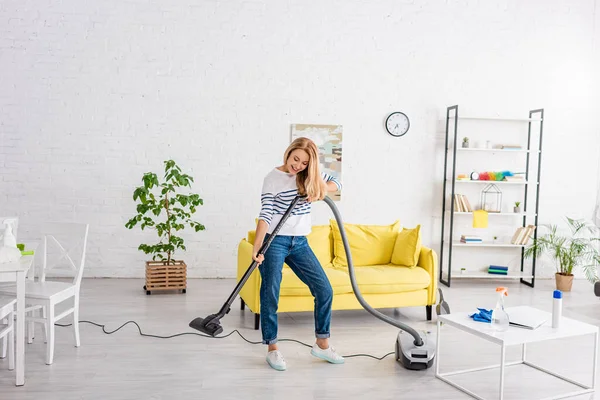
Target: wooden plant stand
(160, 276)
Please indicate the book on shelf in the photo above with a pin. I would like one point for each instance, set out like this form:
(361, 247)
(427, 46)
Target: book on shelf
(522, 234)
(461, 203)
(470, 239)
(497, 270)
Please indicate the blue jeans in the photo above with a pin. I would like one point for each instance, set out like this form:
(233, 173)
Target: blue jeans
(295, 252)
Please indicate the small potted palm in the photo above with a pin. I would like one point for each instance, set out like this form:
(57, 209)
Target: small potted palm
(163, 208)
(575, 247)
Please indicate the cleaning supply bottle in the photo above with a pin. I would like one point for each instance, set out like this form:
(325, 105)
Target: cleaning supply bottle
(9, 251)
(556, 308)
(500, 320)
(9, 239)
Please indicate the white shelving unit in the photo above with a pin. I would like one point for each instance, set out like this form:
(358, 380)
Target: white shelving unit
(449, 239)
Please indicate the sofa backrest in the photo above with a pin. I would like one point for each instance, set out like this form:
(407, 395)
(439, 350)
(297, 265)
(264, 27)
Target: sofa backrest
(320, 241)
(369, 244)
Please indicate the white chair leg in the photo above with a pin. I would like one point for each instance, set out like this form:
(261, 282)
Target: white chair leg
(30, 330)
(11, 344)
(45, 324)
(50, 334)
(4, 349)
(76, 322)
(3, 354)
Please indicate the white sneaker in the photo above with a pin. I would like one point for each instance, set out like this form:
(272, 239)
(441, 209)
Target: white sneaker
(276, 361)
(328, 354)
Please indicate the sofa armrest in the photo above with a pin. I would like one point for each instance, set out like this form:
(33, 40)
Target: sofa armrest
(428, 260)
(250, 292)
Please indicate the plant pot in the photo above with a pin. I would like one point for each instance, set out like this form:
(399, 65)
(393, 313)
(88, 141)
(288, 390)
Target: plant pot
(465, 145)
(564, 282)
(517, 210)
(161, 276)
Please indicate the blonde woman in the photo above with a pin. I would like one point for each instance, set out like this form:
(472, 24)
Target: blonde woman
(299, 174)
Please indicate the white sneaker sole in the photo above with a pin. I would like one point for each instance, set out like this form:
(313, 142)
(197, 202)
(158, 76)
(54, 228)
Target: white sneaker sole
(322, 357)
(275, 366)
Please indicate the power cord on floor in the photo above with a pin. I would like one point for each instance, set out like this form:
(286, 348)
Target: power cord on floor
(210, 337)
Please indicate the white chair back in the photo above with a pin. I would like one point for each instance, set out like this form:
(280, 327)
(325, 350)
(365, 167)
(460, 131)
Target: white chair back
(15, 227)
(64, 248)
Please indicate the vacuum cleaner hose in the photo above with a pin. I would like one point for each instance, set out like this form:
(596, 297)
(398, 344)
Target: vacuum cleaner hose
(418, 340)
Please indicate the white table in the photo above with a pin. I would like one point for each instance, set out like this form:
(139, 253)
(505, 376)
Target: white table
(11, 272)
(517, 336)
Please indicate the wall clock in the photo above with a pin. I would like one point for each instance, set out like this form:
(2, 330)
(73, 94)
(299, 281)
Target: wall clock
(397, 124)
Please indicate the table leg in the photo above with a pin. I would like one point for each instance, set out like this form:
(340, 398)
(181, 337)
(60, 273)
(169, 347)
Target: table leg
(502, 362)
(437, 348)
(20, 330)
(595, 360)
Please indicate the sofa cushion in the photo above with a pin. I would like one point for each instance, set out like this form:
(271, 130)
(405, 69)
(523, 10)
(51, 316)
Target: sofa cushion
(369, 244)
(291, 285)
(407, 247)
(391, 279)
(321, 242)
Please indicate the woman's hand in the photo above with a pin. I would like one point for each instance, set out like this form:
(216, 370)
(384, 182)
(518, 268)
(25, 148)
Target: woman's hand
(258, 258)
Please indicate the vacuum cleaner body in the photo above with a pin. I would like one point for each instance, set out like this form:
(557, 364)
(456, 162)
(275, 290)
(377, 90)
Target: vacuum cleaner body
(412, 356)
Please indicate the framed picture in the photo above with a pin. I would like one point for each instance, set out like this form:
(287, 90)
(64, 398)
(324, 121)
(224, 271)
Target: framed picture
(328, 139)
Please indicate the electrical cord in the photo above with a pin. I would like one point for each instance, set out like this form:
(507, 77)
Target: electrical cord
(210, 337)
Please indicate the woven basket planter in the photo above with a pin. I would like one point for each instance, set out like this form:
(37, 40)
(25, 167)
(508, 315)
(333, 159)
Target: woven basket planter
(161, 276)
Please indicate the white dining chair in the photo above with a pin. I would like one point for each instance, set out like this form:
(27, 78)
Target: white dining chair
(7, 331)
(60, 243)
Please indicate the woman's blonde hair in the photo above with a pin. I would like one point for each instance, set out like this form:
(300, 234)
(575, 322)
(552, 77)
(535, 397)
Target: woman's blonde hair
(309, 181)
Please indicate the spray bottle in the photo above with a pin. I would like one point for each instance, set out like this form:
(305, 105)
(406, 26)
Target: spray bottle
(9, 239)
(9, 251)
(500, 321)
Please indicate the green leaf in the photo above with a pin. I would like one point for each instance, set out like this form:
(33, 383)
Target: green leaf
(131, 223)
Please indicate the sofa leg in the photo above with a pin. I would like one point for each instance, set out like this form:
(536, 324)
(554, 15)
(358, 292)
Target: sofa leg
(428, 309)
(242, 304)
(256, 321)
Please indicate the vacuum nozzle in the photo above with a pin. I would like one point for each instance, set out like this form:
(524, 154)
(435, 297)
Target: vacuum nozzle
(209, 325)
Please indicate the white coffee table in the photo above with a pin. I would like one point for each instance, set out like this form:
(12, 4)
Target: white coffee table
(516, 336)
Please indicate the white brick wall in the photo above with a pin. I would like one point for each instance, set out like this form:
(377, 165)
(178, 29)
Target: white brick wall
(94, 94)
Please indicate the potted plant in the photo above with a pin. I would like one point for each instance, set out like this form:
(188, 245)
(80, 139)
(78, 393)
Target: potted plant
(162, 208)
(465, 143)
(517, 208)
(576, 247)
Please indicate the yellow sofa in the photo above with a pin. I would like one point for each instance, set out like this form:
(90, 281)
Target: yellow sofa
(393, 269)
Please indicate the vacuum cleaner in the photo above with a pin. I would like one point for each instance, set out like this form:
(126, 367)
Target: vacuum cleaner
(211, 325)
(413, 351)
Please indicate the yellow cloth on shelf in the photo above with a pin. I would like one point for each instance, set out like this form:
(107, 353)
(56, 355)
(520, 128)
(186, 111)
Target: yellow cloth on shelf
(480, 219)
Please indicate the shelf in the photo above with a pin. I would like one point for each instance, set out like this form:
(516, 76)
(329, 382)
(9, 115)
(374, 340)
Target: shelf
(499, 119)
(486, 244)
(491, 148)
(485, 275)
(497, 214)
(496, 182)
(474, 149)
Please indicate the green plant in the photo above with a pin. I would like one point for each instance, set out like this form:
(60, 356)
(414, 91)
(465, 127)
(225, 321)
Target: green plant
(575, 248)
(466, 139)
(517, 203)
(176, 207)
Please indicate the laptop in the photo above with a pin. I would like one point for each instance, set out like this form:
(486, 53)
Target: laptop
(526, 317)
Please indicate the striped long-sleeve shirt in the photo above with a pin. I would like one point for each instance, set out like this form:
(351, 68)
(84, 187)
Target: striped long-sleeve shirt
(278, 191)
